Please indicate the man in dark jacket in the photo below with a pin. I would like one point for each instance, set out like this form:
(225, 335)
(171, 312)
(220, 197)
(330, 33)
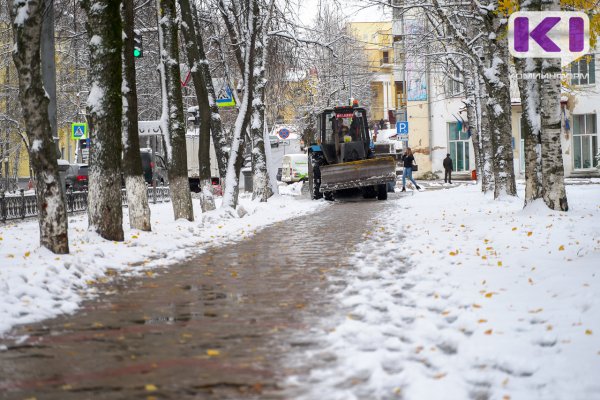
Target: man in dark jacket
(448, 169)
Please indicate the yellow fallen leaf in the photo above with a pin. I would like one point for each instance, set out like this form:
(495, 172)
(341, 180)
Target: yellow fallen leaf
(561, 248)
(488, 332)
(212, 352)
(27, 254)
(186, 335)
(499, 263)
(66, 387)
(484, 257)
(150, 388)
(97, 325)
(150, 274)
(476, 306)
(439, 376)
(482, 321)
(529, 233)
(452, 253)
(588, 332)
(234, 274)
(549, 327)
(514, 228)
(537, 310)
(489, 248)
(489, 295)
(134, 236)
(10, 256)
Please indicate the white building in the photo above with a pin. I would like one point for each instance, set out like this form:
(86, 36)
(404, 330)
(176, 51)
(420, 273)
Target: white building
(579, 135)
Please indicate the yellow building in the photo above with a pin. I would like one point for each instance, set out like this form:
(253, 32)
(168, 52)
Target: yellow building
(386, 83)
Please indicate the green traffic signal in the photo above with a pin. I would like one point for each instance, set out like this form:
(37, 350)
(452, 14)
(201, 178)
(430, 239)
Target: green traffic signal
(138, 49)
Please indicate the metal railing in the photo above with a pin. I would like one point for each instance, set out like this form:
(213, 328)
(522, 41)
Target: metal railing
(21, 206)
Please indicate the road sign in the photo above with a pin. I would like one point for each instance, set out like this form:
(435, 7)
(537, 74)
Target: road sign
(79, 131)
(402, 128)
(223, 93)
(284, 133)
(285, 143)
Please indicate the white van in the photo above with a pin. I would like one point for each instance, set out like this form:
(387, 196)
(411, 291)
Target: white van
(294, 168)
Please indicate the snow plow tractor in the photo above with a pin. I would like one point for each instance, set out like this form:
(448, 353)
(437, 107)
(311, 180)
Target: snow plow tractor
(342, 159)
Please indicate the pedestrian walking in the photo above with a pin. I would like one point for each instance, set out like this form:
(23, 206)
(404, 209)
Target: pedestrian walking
(409, 160)
(448, 169)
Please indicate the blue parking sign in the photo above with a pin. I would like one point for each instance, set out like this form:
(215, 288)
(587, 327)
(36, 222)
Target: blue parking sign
(402, 127)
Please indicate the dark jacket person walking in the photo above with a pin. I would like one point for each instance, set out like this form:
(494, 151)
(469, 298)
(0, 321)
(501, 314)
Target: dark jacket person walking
(448, 169)
(408, 160)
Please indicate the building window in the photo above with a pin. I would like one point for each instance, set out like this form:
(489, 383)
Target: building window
(525, 131)
(385, 57)
(455, 86)
(584, 71)
(458, 143)
(585, 141)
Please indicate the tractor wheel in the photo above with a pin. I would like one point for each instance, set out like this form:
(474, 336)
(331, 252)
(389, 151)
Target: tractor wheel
(382, 192)
(314, 176)
(369, 192)
(328, 196)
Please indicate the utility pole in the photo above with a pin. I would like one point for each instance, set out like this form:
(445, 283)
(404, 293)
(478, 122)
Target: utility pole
(49, 66)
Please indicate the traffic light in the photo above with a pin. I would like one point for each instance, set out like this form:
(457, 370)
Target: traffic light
(138, 49)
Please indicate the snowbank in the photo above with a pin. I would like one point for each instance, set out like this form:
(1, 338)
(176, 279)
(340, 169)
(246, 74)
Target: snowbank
(457, 296)
(36, 284)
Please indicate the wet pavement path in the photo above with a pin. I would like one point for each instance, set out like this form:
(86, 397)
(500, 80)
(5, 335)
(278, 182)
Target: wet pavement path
(218, 326)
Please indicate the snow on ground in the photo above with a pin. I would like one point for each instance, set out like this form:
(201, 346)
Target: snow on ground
(457, 296)
(36, 284)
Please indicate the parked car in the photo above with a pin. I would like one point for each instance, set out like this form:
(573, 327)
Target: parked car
(158, 164)
(294, 168)
(274, 140)
(77, 177)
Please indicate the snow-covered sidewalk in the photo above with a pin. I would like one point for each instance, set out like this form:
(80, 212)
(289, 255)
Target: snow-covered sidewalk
(36, 284)
(457, 296)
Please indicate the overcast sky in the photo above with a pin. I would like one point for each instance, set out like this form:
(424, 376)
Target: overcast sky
(354, 9)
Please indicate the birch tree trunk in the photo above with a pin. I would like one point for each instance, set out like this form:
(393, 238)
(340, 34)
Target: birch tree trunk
(230, 196)
(529, 90)
(553, 179)
(207, 200)
(473, 117)
(105, 108)
(216, 126)
(499, 108)
(135, 185)
(487, 175)
(172, 111)
(260, 179)
(52, 214)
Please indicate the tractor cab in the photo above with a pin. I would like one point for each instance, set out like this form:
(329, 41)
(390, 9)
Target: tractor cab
(344, 134)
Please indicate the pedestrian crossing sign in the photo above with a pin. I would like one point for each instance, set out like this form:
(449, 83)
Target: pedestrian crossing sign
(79, 130)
